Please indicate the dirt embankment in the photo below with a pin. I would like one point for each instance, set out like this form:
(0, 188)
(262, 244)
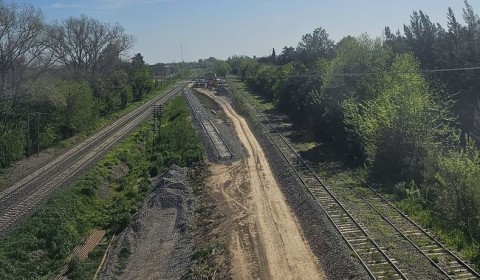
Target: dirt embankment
(266, 239)
(156, 245)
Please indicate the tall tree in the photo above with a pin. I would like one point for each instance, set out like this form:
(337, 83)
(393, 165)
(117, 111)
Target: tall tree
(141, 77)
(472, 33)
(288, 55)
(402, 124)
(314, 46)
(79, 43)
(454, 29)
(22, 47)
(221, 67)
(421, 34)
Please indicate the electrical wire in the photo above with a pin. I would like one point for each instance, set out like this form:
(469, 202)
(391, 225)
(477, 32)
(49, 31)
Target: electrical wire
(357, 74)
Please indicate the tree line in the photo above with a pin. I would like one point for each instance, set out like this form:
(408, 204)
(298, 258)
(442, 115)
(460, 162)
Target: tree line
(379, 101)
(57, 78)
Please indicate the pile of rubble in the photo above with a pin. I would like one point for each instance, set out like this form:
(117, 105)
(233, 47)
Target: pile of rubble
(156, 244)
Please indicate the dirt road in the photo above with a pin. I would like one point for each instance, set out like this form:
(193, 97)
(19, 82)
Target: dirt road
(266, 240)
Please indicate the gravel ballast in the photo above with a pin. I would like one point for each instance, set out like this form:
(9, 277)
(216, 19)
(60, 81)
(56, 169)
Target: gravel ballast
(156, 245)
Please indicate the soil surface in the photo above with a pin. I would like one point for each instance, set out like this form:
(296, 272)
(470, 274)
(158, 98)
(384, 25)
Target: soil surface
(266, 239)
(156, 245)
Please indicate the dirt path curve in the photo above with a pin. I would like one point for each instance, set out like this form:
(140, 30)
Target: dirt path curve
(267, 241)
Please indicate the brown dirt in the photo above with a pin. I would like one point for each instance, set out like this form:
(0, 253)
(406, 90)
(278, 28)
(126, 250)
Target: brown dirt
(266, 239)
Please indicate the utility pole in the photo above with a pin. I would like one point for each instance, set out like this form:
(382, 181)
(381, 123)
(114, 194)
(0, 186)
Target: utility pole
(38, 118)
(157, 115)
(28, 131)
(38, 134)
(181, 51)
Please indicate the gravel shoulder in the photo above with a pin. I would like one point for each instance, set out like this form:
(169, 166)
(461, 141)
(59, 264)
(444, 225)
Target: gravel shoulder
(27, 166)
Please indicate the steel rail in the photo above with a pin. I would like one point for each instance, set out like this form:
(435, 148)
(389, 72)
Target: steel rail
(196, 106)
(409, 220)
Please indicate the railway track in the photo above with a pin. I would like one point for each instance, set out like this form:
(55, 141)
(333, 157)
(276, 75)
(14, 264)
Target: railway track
(221, 148)
(353, 213)
(23, 197)
(440, 256)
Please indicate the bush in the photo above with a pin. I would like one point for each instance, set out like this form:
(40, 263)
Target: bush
(178, 143)
(455, 176)
(12, 143)
(401, 125)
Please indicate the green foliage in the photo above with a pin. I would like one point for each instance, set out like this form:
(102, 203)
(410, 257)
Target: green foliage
(12, 143)
(177, 141)
(114, 92)
(314, 46)
(264, 80)
(141, 77)
(123, 256)
(355, 55)
(402, 124)
(80, 108)
(221, 67)
(455, 176)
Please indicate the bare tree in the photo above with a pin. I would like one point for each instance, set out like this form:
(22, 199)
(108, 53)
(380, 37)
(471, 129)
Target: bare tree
(81, 43)
(22, 47)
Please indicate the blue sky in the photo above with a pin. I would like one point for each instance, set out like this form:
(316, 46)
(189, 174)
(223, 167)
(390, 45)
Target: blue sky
(222, 28)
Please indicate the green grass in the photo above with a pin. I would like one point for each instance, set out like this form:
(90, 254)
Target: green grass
(450, 235)
(123, 256)
(40, 247)
(255, 99)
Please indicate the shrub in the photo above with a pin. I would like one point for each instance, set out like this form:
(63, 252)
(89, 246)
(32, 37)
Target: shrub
(455, 176)
(402, 124)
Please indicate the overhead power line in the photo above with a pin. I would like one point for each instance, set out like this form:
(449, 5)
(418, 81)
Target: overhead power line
(356, 74)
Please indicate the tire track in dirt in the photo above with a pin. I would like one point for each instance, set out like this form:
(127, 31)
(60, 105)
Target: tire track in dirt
(267, 241)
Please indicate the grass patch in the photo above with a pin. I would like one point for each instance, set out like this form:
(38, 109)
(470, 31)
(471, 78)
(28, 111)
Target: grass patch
(123, 256)
(257, 100)
(452, 237)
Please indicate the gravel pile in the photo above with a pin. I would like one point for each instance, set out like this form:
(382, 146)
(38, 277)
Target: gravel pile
(156, 244)
(324, 239)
